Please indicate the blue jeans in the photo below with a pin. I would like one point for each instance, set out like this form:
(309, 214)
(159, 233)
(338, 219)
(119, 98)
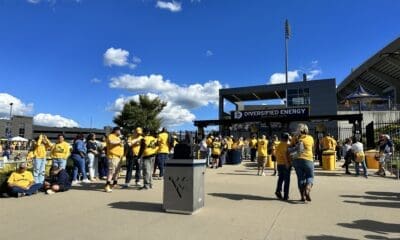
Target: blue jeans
(79, 166)
(130, 162)
(162, 158)
(60, 163)
(39, 167)
(357, 166)
(304, 171)
(103, 166)
(32, 190)
(283, 178)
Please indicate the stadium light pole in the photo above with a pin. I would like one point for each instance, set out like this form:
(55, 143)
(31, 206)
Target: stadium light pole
(11, 106)
(287, 36)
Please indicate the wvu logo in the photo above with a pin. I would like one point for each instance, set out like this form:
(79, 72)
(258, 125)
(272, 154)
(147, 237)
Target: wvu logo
(178, 184)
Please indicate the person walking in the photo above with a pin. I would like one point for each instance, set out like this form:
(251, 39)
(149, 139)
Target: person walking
(275, 142)
(302, 158)
(103, 161)
(386, 149)
(262, 149)
(253, 148)
(92, 154)
(115, 152)
(60, 152)
(284, 167)
(79, 154)
(164, 142)
(148, 152)
(134, 162)
(348, 155)
(359, 157)
(39, 156)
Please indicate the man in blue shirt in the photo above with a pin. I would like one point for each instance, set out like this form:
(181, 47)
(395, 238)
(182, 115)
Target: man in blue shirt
(59, 181)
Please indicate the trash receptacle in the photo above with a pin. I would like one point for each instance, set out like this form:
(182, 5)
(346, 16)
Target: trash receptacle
(184, 185)
(372, 162)
(329, 160)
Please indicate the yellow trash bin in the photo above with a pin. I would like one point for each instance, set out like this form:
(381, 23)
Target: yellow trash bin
(269, 163)
(370, 156)
(329, 160)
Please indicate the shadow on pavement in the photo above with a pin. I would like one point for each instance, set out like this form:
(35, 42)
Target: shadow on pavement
(326, 237)
(385, 199)
(373, 226)
(89, 187)
(238, 197)
(137, 206)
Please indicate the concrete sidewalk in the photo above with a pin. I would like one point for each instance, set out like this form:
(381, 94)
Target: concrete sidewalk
(239, 205)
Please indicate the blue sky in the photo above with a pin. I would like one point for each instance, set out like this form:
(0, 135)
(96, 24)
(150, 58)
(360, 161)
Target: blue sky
(51, 51)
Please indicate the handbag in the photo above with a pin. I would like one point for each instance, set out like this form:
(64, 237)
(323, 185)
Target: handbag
(359, 157)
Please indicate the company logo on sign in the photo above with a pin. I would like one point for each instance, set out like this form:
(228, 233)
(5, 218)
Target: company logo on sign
(237, 115)
(284, 113)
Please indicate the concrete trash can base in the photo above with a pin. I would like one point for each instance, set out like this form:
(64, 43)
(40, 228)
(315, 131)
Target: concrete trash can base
(184, 185)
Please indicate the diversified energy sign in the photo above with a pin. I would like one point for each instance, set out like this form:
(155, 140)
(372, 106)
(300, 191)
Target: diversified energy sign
(299, 113)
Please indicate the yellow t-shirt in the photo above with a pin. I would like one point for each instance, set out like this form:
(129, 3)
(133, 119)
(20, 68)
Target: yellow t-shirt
(40, 149)
(216, 148)
(135, 141)
(21, 179)
(253, 143)
(151, 146)
(229, 143)
(209, 142)
(114, 150)
(163, 143)
(281, 153)
(61, 150)
(308, 142)
(262, 147)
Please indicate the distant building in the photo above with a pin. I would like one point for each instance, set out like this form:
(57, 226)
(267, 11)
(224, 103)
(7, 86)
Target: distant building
(17, 126)
(23, 126)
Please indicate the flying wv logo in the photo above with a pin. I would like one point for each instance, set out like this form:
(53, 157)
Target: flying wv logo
(178, 184)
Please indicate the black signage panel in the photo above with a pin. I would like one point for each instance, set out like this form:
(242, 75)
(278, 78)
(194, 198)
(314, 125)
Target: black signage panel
(298, 113)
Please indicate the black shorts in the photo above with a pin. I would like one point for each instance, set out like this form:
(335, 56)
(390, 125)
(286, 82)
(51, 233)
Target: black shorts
(215, 156)
(273, 158)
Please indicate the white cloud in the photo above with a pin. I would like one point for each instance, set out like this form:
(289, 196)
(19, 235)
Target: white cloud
(95, 80)
(172, 115)
(192, 96)
(312, 72)
(209, 53)
(49, 120)
(277, 78)
(119, 57)
(170, 6)
(19, 107)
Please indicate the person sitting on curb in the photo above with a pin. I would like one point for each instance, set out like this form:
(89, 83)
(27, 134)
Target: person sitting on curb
(21, 182)
(59, 181)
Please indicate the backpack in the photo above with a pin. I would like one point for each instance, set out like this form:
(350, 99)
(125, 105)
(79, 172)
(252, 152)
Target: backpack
(359, 157)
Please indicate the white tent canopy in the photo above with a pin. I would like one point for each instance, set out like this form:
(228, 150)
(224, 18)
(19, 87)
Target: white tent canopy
(18, 139)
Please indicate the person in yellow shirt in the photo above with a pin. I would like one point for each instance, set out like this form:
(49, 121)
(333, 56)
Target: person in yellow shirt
(21, 183)
(60, 152)
(216, 152)
(328, 143)
(164, 143)
(262, 149)
(39, 156)
(209, 142)
(253, 148)
(134, 142)
(274, 143)
(284, 167)
(148, 152)
(115, 152)
(303, 161)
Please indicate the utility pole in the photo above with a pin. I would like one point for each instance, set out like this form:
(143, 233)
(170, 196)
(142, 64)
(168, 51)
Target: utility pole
(11, 106)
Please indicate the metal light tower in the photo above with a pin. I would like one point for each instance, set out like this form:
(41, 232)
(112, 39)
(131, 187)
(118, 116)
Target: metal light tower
(11, 106)
(287, 36)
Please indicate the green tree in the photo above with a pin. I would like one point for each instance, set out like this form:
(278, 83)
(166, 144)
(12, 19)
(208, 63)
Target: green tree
(143, 113)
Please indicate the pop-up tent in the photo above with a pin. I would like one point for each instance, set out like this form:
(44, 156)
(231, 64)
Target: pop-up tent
(18, 139)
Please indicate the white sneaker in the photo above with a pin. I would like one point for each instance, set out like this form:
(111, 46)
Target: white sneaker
(263, 174)
(50, 192)
(138, 184)
(74, 183)
(86, 181)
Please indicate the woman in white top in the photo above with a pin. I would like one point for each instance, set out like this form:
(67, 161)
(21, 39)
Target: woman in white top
(359, 156)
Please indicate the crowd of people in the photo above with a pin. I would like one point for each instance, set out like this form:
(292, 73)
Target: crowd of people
(144, 151)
